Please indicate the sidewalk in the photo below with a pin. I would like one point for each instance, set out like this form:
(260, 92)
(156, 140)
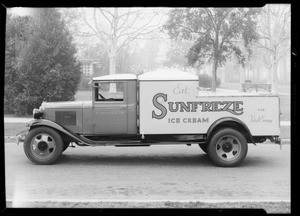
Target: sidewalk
(17, 120)
(269, 206)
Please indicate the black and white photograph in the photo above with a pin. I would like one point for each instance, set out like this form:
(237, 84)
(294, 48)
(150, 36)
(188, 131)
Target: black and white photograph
(148, 108)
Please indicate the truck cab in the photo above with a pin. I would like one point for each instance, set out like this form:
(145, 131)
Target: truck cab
(114, 103)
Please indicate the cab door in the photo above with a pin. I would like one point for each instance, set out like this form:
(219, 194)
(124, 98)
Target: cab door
(110, 108)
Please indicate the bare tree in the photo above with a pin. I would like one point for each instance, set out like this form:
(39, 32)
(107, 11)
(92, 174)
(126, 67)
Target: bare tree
(116, 28)
(214, 32)
(275, 38)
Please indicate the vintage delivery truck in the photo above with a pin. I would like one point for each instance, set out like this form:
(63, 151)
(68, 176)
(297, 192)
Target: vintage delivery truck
(152, 109)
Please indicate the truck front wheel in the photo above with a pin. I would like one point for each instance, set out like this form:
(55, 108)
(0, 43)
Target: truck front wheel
(43, 145)
(227, 147)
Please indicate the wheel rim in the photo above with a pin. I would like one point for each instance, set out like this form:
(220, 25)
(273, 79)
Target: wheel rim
(228, 148)
(43, 146)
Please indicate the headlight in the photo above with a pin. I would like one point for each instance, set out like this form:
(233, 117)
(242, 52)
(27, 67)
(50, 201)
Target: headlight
(42, 108)
(37, 114)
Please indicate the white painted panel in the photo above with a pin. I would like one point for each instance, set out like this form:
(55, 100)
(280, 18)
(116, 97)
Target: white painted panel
(195, 114)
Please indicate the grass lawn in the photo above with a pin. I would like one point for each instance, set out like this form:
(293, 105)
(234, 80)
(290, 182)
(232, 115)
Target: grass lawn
(285, 107)
(237, 86)
(285, 132)
(11, 129)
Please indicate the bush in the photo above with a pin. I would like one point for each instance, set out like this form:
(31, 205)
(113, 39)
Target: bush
(23, 104)
(40, 64)
(8, 100)
(205, 81)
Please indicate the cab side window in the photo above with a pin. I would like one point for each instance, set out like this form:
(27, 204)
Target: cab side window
(109, 91)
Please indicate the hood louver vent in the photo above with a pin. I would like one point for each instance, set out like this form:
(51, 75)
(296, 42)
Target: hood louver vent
(67, 118)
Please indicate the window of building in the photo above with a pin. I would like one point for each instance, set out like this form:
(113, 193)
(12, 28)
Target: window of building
(85, 68)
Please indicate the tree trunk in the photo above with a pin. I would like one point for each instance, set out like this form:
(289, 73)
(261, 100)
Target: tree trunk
(274, 76)
(112, 70)
(214, 73)
(284, 69)
(256, 70)
(242, 78)
(112, 64)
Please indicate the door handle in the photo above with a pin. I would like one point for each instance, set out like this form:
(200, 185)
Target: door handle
(123, 107)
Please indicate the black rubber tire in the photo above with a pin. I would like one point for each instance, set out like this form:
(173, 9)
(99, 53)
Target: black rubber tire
(53, 156)
(203, 147)
(214, 146)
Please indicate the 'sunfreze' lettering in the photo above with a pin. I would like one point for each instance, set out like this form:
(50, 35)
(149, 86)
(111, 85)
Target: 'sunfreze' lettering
(159, 106)
(234, 107)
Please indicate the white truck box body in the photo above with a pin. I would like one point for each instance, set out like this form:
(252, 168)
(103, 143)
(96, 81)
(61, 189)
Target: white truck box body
(198, 110)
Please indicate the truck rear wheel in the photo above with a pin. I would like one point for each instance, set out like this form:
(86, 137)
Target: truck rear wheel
(43, 145)
(227, 147)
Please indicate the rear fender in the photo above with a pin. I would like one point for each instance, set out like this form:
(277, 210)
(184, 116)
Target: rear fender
(230, 122)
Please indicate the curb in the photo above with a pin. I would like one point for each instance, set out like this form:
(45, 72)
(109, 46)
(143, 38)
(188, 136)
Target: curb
(268, 206)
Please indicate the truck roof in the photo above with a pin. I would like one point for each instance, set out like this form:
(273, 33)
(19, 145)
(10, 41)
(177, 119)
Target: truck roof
(167, 74)
(116, 77)
(157, 75)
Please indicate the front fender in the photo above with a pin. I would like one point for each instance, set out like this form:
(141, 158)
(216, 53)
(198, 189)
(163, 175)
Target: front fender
(44, 122)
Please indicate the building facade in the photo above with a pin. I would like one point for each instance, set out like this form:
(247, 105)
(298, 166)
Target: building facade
(89, 67)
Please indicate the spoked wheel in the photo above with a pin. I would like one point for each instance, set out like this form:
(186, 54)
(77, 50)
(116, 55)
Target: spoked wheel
(227, 147)
(43, 145)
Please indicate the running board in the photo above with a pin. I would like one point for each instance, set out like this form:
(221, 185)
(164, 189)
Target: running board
(132, 143)
(125, 145)
(90, 142)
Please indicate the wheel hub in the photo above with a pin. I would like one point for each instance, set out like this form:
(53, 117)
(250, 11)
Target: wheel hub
(227, 147)
(42, 146)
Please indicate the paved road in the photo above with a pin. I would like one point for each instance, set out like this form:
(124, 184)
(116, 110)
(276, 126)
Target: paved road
(148, 173)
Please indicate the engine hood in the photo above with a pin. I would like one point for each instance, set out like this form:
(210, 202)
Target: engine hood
(63, 104)
(66, 113)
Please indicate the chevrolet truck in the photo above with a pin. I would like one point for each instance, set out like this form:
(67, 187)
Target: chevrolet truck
(155, 108)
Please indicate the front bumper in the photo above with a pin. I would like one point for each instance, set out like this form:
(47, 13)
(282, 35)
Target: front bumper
(22, 136)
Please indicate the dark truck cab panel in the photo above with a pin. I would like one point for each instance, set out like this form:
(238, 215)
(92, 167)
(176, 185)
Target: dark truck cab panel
(115, 106)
